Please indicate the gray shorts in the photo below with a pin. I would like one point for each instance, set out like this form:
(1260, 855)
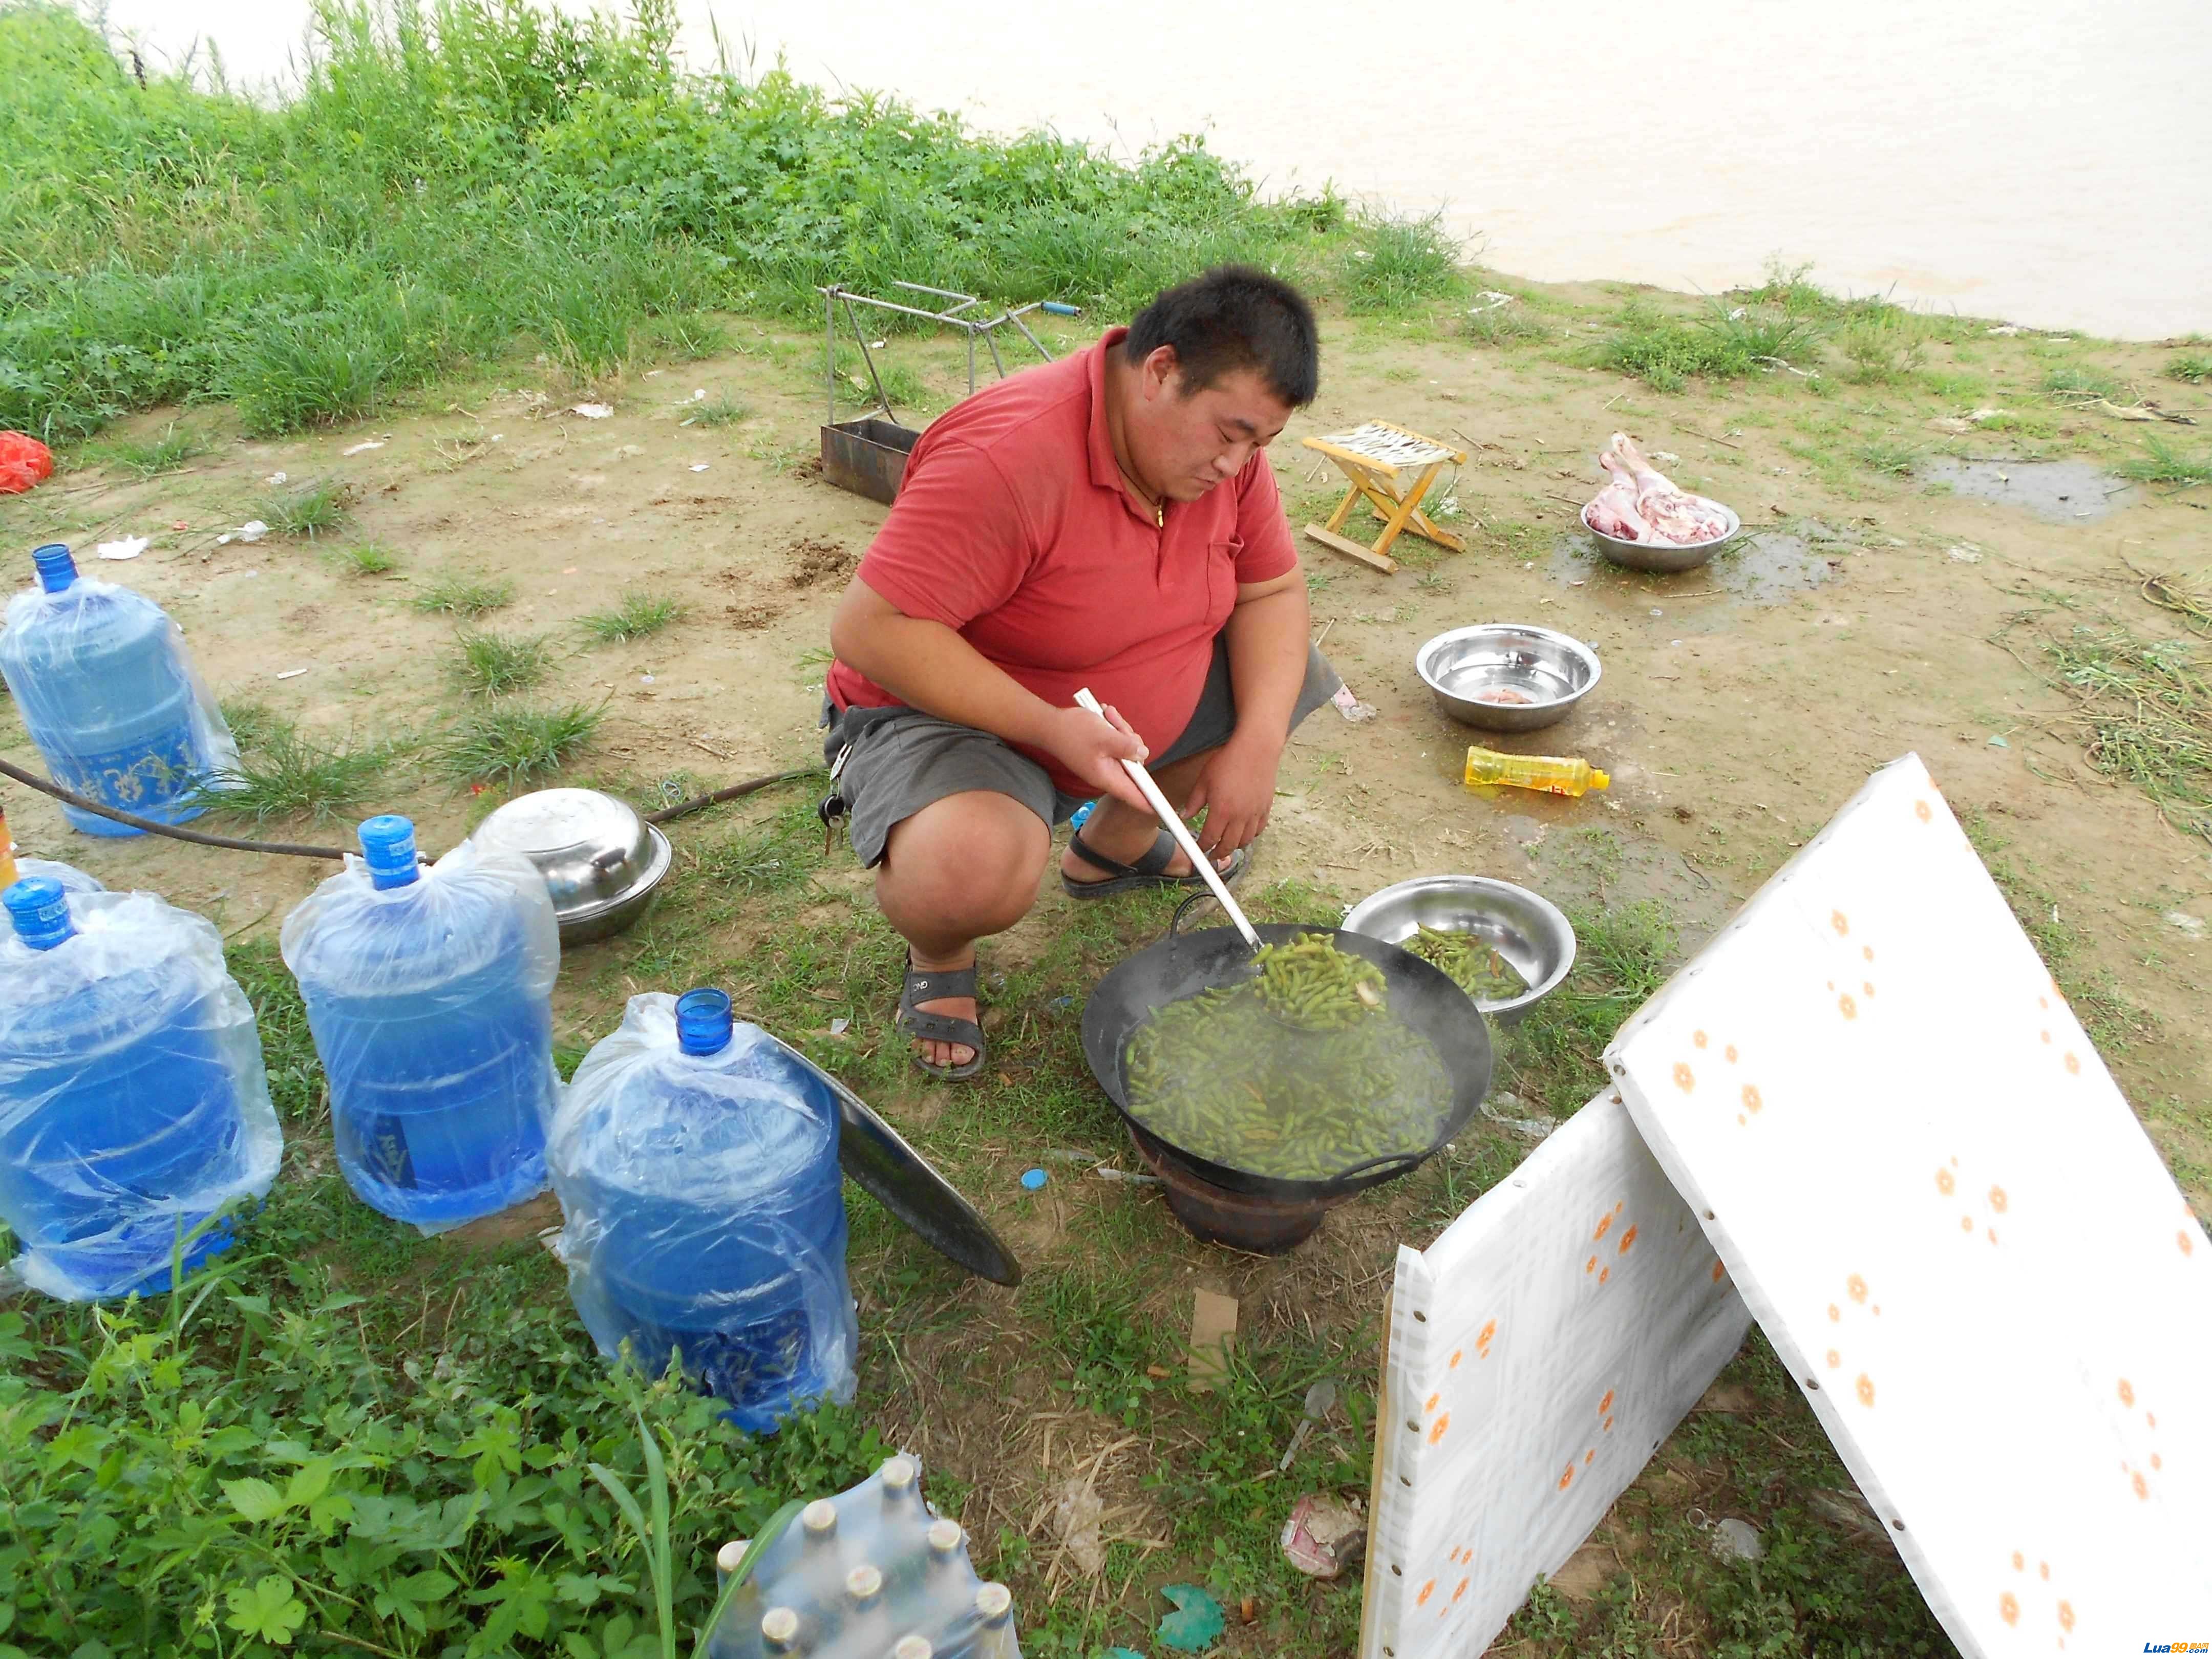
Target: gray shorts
(903, 759)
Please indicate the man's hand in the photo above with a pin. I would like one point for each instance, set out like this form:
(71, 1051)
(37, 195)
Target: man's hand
(1094, 749)
(1236, 788)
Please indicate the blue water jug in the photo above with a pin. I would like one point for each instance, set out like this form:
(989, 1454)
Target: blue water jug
(430, 994)
(109, 695)
(696, 1165)
(133, 1103)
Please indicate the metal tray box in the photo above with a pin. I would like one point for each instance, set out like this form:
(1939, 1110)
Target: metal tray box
(867, 456)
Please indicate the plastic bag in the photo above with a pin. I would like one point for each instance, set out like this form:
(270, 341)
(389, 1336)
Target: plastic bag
(133, 1102)
(431, 1007)
(705, 1212)
(111, 698)
(24, 461)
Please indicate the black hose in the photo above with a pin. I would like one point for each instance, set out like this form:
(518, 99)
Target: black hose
(296, 849)
(69, 797)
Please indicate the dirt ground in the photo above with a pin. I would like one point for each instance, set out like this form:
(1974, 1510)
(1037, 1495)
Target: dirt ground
(1741, 705)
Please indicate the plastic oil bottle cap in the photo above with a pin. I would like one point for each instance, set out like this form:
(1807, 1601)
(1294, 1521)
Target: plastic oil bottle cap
(944, 1538)
(703, 1022)
(39, 910)
(819, 1518)
(913, 1647)
(779, 1628)
(388, 847)
(56, 567)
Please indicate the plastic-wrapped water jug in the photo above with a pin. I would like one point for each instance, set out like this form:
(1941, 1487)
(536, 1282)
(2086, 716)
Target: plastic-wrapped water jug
(696, 1165)
(133, 1103)
(429, 993)
(110, 696)
(873, 1573)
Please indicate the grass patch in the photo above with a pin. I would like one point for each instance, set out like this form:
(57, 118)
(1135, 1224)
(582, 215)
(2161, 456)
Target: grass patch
(2195, 368)
(149, 458)
(2164, 463)
(1666, 352)
(366, 559)
(634, 617)
(492, 665)
(2078, 382)
(688, 338)
(312, 510)
(464, 596)
(2144, 712)
(508, 745)
(1877, 353)
(1552, 1058)
(1505, 325)
(904, 386)
(720, 410)
(1399, 265)
(280, 773)
(1890, 457)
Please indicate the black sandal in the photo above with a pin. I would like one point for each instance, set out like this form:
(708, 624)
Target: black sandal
(1149, 871)
(929, 987)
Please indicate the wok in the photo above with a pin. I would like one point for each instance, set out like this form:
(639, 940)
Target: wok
(1181, 964)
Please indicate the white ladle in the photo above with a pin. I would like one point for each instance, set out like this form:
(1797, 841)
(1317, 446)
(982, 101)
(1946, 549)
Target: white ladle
(1171, 820)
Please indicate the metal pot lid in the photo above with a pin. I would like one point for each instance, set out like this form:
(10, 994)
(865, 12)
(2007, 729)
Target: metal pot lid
(642, 880)
(594, 850)
(902, 1180)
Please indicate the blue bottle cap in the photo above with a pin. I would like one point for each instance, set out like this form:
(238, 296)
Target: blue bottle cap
(703, 1022)
(387, 846)
(1034, 1179)
(39, 909)
(57, 568)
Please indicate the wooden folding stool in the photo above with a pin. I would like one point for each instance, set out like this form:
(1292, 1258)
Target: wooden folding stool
(1392, 467)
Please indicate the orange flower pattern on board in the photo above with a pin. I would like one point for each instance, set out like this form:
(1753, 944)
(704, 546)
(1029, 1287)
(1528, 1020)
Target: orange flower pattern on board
(1458, 1354)
(1730, 1052)
(1604, 1274)
(1628, 1238)
(1568, 1478)
(1921, 811)
(1427, 1590)
(1460, 1589)
(1604, 1227)
(2008, 1607)
(1865, 1390)
(1719, 1270)
(2127, 1392)
(2066, 1615)
(1945, 1184)
(1437, 1432)
(1850, 1009)
(1605, 1404)
(1698, 1038)
(2019, 1562)
(1857, 1286)
(2188, 1244)
(1684, 1079)
(1752, 1101)
(1834, 1359)
(1840, 922)
(1998, 1200)
(2141, 1485)
(1482, 1338)
(1434, 1401)
(2074, 1064)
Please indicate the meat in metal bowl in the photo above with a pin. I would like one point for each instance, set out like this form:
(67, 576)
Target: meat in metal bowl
(1659, 557)
(1507, 677)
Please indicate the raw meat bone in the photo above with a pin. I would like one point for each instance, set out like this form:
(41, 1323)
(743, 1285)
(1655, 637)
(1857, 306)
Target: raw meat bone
(1669, 514)
(1613, 511)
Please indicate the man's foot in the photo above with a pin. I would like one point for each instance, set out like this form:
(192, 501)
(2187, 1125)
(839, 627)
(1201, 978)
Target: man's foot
(938, 1009)
(1119, 835)
(1088, 872)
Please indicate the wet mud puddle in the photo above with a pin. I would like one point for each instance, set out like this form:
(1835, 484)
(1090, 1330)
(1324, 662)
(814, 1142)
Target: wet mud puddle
(1767, 567)
(2061, 492)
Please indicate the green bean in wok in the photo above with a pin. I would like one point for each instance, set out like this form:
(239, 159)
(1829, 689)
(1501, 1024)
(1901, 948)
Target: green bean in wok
(1308, 982)
(1218, 1076)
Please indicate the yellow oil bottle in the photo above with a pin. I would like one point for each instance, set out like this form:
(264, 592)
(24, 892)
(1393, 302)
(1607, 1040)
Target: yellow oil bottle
(1549, 773)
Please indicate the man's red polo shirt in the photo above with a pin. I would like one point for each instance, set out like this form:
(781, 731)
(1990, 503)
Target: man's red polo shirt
(1013, 527)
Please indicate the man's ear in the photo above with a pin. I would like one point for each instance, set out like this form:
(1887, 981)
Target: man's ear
(1162, 371)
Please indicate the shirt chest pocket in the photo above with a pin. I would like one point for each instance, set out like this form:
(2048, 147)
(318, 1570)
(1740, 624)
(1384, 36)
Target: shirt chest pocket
(1221, 559)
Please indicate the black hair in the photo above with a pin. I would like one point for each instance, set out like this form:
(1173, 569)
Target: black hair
(1234, 318)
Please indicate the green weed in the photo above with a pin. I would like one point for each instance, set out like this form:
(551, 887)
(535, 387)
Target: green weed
(637, 614)
(503, 744)
(310, 510)
(1399, 265)
(2164, 463)
(1505, 326)
(1552, 1058)
(150, 458)
(492, 665)
(2195, 368)
(1877, 353)
(2076, 381)
(689, 337)
(1666, 352)
(1889, 456)
(367, 559)
(903, 385)
(283, 774)
(456, 595)
(721, 410)
(2144, 712)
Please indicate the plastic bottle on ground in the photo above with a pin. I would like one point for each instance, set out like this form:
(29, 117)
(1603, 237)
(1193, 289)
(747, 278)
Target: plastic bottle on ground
(429, 996)
(133, 1102)
(696, 1165)
(108, 694)
(1548, 774)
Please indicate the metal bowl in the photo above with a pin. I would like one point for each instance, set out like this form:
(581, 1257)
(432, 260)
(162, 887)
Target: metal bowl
(1507, 677)
(1525, 928)
(1641, 556)
(601, 862)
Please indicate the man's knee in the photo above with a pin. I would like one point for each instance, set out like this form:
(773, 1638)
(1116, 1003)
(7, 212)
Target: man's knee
(977, 855)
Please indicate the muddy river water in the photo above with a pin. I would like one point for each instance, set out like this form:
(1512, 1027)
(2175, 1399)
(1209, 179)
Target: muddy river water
(2042, 160)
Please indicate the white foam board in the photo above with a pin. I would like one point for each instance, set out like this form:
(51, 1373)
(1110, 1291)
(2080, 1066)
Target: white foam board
(1926, 1185)
(1539, 1350)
